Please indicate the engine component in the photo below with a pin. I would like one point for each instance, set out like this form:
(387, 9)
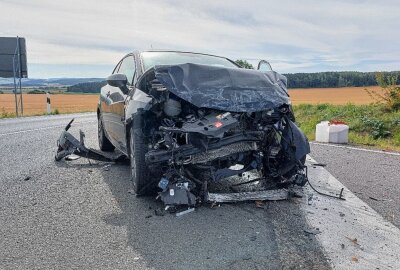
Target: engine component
(177, 193)
(212, 125)
(172, 107)
(223, 151)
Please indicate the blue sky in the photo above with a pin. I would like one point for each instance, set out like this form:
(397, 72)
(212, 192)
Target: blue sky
(87, 38)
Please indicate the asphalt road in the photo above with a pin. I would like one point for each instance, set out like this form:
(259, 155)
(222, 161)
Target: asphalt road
(73, 215)
(374, 177)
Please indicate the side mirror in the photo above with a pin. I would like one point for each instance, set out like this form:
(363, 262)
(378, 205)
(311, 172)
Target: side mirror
(119, 80)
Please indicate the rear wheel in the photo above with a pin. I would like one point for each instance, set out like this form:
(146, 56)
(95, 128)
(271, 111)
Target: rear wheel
(142, 181)
(104, 143)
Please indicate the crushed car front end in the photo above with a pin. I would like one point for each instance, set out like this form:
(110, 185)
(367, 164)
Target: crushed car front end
(206, 123)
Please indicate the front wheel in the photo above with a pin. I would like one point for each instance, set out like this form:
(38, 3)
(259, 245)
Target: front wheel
(140, 173)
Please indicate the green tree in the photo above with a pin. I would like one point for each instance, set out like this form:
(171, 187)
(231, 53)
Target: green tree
(244, 64)
(389, 94)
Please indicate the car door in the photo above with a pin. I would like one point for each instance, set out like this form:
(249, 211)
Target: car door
(105, 104)
(116, 105)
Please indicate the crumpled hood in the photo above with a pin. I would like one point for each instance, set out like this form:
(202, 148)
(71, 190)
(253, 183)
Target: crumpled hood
(226, 89)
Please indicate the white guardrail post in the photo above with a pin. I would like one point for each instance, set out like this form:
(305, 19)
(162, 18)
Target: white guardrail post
(48, 103)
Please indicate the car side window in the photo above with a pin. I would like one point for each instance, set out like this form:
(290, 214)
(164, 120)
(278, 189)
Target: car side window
(264, 66)
(128, 68)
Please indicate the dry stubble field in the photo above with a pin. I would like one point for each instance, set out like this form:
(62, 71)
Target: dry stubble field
(35, 104)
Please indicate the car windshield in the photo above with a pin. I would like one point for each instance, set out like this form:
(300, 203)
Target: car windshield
(151, 59)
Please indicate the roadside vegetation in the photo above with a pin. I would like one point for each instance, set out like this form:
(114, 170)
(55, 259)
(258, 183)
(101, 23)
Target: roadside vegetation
(370, 125)
(36, 91)
(4, 114)
(377, 124)
(389, 96)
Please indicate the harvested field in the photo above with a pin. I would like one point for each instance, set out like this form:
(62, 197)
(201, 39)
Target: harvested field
(64, 103)
(336, 96)
(36, 103)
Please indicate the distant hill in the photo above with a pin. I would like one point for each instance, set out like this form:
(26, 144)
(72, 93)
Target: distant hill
(55, 82)
(86, 87)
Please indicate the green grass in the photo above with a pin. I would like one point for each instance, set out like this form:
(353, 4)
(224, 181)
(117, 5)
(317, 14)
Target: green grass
(4, 114)
(369, 125)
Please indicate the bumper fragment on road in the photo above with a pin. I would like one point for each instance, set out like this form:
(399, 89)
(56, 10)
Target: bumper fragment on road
(267, 195)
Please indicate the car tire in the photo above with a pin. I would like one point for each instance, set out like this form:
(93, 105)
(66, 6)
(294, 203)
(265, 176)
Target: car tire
(104, 142)
(140, 173)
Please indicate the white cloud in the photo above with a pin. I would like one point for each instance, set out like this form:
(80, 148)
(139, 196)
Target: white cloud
(294, 36)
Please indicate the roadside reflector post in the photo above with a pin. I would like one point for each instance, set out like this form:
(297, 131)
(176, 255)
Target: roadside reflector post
(48, 103)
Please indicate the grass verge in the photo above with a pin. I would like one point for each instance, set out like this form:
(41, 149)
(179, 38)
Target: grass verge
(370, 125)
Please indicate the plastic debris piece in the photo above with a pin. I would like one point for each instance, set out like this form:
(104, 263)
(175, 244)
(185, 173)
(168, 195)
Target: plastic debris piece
(106, 167)
(319, 164)
(72, 157)
(354, 259)
(312, 231)
(159, 212)
(354, 241)
(215, 205)
(260, 204)
(184, 212)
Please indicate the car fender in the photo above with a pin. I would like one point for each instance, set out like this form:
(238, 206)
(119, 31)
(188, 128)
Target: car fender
(139, 100)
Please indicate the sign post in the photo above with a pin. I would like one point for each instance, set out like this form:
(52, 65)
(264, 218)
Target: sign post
(13, 64)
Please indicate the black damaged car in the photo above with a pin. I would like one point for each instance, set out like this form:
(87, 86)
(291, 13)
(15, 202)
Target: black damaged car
(189, 118)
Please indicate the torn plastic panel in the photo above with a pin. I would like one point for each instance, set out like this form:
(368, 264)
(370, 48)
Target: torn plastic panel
(67, 145)
(297, 138)
(225, 89)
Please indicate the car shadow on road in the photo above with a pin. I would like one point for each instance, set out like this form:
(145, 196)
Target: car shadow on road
(233, 236)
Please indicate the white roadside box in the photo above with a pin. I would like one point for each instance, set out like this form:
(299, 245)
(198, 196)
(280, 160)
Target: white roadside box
(331, 132)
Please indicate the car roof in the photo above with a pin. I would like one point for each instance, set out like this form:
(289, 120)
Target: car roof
(158, 50)
(139, 52)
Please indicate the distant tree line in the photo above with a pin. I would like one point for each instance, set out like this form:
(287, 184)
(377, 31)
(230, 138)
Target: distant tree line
(330, 79)
(336, 79)
(86, 87)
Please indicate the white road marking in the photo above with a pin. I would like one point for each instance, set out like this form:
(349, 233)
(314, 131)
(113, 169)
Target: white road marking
(377, 244)
(44, 128)
(356, 148)
(40, 118)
